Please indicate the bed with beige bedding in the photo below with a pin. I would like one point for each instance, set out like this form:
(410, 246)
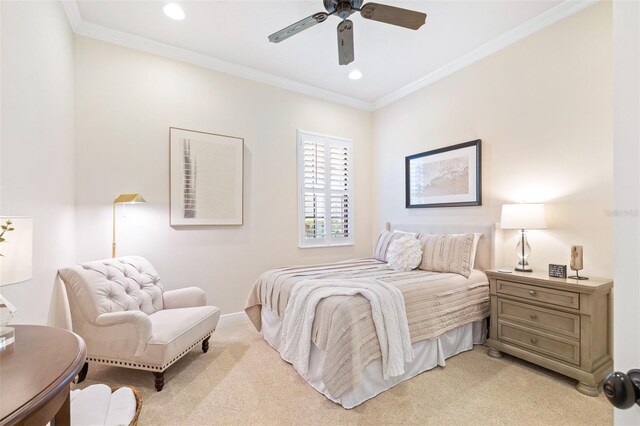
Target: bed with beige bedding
(345, 345)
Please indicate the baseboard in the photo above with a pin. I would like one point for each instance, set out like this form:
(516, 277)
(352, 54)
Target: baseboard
(228, 320)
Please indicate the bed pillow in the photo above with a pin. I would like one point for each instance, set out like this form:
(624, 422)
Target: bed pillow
(404, 253)
(476, 239)
(447, 253)
(384, 240)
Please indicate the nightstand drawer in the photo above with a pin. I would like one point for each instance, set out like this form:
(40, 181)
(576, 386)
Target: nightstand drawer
(540, 318)
(541, 294)
(556, 347)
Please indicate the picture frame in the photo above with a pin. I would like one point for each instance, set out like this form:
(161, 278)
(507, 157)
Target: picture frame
(206, 178)
(445, 177)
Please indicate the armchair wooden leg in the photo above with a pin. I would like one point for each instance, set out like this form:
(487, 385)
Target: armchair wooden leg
(205, 345)
(159, 380)
(83, 373)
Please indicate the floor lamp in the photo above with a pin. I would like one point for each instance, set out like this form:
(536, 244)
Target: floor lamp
(122, 199)
(16, 251)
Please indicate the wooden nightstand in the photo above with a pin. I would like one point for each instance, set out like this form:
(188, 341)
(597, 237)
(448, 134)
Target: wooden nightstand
(560, 324)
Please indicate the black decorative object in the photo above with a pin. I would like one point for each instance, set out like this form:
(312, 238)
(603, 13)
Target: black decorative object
(445, 177)
(557, 271)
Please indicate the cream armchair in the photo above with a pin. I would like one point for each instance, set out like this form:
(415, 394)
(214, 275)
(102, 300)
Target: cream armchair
(118, 306)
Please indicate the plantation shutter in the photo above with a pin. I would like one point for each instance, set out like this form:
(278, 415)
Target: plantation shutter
(339, 191)
(324, 175)
(314, 190)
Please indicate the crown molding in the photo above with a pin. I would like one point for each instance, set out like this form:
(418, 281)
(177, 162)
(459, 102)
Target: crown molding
(99, 32)
(73, 14)
(555, 14)
(87, 29)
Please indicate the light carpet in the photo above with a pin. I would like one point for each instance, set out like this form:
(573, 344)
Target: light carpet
(242, 380)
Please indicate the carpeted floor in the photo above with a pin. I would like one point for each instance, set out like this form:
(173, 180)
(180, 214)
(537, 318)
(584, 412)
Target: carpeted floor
(242, 380)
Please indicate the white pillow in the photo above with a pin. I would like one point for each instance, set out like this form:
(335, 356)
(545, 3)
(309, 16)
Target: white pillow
(415, 234)
(404, 253)
(384, 240)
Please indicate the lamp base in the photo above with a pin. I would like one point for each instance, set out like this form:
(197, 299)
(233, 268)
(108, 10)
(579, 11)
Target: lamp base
(522, 250)
(523, 265)
(7, 337)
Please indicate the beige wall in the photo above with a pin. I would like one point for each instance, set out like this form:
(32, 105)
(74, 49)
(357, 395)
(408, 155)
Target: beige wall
(543, 108)
(125, 103)
(37, 165)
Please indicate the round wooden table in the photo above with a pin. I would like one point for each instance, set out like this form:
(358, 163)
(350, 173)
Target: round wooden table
(36, 374)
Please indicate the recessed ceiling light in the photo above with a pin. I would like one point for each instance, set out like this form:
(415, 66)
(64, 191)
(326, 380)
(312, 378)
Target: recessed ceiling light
(174, 11)
(355, 75)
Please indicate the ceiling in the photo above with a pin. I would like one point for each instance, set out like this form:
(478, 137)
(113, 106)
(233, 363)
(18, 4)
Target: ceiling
(393, 60)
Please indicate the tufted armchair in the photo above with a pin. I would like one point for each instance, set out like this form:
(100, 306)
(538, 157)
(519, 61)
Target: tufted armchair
(118, 306)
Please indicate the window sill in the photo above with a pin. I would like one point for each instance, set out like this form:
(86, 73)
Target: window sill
(325, 245)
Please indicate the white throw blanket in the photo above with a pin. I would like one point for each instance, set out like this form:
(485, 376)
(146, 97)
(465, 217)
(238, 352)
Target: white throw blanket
(387, 308)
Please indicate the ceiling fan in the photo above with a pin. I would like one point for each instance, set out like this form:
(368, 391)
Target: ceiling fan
(344, 8)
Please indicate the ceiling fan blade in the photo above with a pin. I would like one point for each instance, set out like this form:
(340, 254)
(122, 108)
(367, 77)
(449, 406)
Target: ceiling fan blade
(393, 15)
(299, 26)
(345, 42)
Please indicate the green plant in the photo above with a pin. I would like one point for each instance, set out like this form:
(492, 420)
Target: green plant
(5, 228)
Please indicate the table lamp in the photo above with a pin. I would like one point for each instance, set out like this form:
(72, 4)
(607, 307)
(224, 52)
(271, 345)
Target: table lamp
(16, 247)
(122, 199)
(523, 217)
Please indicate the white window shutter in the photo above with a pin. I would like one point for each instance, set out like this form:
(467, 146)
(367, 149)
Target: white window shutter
(339, 160)
(325, 185)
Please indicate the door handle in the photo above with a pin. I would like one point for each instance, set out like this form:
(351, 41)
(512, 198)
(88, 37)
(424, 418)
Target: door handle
(622, 390)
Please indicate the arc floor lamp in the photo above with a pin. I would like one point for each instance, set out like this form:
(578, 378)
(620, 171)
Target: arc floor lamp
(123, 199)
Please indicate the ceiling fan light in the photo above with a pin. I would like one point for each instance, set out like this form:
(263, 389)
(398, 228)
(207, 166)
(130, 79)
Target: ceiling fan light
(355, 75)
(174, 11)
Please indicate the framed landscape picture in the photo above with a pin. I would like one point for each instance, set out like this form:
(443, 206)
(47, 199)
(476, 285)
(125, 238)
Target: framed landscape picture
(205, 178)
(444, 177)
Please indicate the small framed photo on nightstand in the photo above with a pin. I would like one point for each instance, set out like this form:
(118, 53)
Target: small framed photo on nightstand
(557, 271)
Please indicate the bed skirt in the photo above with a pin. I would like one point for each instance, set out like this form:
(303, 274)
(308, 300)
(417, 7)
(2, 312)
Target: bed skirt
(428, 354)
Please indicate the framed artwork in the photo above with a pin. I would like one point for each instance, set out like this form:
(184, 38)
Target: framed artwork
(205, 178)
(444, 177)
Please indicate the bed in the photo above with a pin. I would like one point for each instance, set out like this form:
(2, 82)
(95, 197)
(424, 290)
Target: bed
(446, 314)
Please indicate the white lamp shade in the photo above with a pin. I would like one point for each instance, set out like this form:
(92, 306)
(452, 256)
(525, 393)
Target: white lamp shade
(16, 250)
(523, 216)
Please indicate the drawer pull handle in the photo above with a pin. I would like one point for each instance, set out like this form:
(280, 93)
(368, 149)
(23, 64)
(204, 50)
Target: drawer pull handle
(534, 317)
(534, 341)
(532, 292)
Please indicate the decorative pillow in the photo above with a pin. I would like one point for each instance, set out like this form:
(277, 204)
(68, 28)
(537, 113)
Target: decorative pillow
(447, 253)
(404, 253)
(385, 238)
(415, 234)
(476, 239)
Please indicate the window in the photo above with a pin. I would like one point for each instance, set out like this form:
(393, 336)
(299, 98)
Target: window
(325, 200)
